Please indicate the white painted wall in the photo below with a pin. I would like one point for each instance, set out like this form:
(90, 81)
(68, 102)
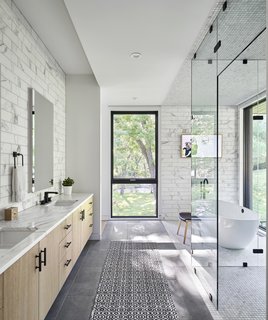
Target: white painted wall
(26, 63)
(83, 138)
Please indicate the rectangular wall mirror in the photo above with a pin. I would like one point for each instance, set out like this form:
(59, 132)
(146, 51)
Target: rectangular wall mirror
(41, 146)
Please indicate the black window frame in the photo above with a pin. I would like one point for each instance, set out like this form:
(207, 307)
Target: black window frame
(134, 180)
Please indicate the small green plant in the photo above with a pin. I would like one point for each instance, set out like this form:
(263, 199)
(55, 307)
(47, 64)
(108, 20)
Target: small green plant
(68, 182)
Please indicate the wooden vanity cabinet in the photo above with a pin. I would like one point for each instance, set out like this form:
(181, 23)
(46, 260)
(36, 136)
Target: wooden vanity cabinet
(66, 251)
(66, 226)
(20, 288)
(31, 284)
(82, 226)
(88, 221)
(29, 287)
(49, 277)
(77, 229)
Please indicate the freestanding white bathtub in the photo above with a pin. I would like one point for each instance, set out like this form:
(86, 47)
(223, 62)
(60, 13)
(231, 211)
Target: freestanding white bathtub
(237, 225)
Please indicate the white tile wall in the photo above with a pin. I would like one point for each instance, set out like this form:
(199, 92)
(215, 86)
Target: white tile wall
(175, 191)
(229, 162)
(26, 63)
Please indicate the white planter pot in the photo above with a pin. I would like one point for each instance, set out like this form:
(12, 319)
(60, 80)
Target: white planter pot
(67, 190)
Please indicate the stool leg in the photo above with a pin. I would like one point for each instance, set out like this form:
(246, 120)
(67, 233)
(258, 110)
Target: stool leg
(185, 231)
(179, 227)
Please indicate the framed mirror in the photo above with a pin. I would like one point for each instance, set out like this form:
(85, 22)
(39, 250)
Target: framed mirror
(41, 142)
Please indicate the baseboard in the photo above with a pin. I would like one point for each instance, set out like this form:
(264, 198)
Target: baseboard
(95, 236)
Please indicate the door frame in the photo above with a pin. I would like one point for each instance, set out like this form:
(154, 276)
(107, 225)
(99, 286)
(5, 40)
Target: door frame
(139, 180)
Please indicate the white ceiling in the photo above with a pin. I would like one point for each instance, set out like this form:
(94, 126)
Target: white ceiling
(163, 31)
(51, 21)
(109, 31)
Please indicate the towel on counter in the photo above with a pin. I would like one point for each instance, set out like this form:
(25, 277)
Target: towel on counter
(18, 184)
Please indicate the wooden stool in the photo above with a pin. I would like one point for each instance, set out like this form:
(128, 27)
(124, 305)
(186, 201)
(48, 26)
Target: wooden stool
(187, 218)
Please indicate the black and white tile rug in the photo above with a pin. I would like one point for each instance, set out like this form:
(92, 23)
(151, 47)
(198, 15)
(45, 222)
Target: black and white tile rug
(133, 285)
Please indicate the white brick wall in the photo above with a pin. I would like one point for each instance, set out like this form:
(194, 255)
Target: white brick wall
(229, 162)
(175, 193)
(26, 63)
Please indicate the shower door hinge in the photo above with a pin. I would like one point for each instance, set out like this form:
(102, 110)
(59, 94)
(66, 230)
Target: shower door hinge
(210, 297)
(218, 45)
(211, 28)
(258, 251)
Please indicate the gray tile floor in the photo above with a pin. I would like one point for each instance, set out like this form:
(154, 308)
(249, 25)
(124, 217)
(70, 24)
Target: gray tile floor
(76, 298)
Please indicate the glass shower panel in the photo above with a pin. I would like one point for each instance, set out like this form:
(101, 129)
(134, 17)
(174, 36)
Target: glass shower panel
(241, 246)
(239, 24)
(204, 164)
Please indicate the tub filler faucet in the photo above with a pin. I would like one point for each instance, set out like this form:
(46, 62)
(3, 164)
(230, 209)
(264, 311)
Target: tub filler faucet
(203, 188)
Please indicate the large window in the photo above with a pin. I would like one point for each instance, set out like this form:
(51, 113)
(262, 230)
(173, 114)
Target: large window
(255, 159)
(134, 164)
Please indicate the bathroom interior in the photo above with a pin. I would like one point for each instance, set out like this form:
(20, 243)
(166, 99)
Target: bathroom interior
(217, 100)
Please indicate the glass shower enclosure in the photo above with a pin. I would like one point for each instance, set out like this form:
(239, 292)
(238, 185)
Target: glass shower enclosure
(229, 160)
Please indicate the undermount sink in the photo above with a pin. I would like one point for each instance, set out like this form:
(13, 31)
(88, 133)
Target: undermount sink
(9, 237)
(64, 203)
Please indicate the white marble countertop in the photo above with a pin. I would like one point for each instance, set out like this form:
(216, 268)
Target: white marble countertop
(43, 218)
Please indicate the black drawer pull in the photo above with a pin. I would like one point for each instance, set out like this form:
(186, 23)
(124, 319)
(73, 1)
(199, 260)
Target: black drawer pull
(91, 225)
(82, 215)
(91, 214)
(45, 256)
(67, 245)
(91, 202)
(68, 226)
(39, 267)
(67, 262)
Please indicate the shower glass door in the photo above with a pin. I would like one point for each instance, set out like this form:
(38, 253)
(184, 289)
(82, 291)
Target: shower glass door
(229, 185)
(242, 167)
(204, 164)
(242, 186)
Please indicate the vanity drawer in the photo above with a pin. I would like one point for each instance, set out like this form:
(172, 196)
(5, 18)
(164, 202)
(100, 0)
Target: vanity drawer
(88, 206)
(66, 227)
(90, 222)
(66, 245)
(66, 265)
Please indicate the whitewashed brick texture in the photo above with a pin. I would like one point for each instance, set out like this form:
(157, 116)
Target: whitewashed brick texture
(175, 191)
(26, 63)
(229, 162)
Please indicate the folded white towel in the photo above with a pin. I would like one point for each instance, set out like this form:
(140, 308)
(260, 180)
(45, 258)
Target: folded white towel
(18, 184)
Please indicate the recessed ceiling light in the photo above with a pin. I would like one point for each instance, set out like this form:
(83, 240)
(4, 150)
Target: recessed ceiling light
(135, 55)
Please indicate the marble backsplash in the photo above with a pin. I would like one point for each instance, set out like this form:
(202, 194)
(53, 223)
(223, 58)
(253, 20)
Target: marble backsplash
(26, 63)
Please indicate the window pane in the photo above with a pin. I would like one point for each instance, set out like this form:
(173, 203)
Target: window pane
(134, 200)
(134, 145)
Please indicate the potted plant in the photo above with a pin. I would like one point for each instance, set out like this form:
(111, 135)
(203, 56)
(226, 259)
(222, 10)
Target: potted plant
(67, 185)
